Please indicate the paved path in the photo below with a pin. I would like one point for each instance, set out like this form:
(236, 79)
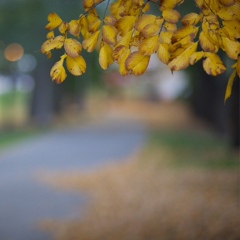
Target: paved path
(24, 201)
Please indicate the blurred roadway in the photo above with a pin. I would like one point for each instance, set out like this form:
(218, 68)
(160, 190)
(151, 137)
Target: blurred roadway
(24, 201)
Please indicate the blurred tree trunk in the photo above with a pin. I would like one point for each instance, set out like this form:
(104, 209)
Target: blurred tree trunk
(46, 100)
(208, 103)
(208, 100)
(234, 126)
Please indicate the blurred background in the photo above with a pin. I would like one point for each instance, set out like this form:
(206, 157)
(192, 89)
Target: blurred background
(184, 113)
(28, 96)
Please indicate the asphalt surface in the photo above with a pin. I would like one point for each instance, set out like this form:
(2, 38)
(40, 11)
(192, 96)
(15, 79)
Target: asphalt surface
(24, 201)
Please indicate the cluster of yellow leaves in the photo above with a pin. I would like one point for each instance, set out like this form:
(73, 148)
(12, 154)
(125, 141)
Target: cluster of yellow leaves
(130, 35)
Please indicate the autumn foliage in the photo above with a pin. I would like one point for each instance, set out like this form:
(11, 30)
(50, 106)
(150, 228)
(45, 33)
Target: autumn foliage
(129, 35)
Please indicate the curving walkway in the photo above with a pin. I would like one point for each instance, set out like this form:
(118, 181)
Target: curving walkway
(24, 201)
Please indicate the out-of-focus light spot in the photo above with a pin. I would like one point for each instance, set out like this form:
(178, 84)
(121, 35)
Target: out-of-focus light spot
(27, 63)
(6, 84)
(25, 83)
(13, 52)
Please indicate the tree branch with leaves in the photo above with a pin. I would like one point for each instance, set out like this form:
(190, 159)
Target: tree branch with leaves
(130, 34)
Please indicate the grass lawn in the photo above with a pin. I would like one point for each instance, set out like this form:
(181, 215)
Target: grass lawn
(13, 115)
(183, 185)
(14, 108)
(194, 148)
(10, 137)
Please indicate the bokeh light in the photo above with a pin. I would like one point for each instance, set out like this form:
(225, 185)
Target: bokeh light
(27, 63)
(13, 52)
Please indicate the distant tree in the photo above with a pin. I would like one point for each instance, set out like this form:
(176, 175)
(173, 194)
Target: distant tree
(129, 35)
(20, 22)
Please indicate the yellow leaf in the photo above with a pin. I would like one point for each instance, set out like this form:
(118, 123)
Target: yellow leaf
(105, 56)
(182, 60)
(206, 44)
(109, 34)
(123, 55)
(93, 21)
(232, 48)
(227, 32)
(83, 21)
(85, 33)
(50, 35)
(84, 26)
(195, 57)
(204, 6)
(92, 15)
(58, 72)
(114, 8)
(94, 26)
(230, 85)
(236, 9)
(125, 24)
(87, 4)
(144, 20)
(176, 49)
(135, 40)
(227, 3)
(171, 15)
(134, 10)
(213, 65)
(63, 27)
(146, 8)
(76, 66)
(125, 40)
(118, 51)
(191, 19)
(90, 43)
(49, 54)
(59, 40)
(185, 31)
(150, 30)
(232, 27)
(159, 21)
(138, 3)
(149, 46)
(213, 4)
(225, 14)
(137, 63)
(54, 21)
(50, 44)
(110, 20)
(169, 4)
(214, 37)
(72, 47)
(170, 27)
(199, 3)
(184, 41)
(163, 52)
(122, 8)
(166, 37)
(74, 28)
(210, 24)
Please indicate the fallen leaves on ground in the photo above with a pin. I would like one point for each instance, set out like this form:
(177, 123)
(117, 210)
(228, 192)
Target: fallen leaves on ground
(136, 200)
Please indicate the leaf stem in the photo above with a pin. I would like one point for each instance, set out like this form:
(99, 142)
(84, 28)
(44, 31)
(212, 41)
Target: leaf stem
(105, 11)
(91, 8)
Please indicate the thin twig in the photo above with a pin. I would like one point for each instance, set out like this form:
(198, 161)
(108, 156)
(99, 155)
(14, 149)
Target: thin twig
(105, 11)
